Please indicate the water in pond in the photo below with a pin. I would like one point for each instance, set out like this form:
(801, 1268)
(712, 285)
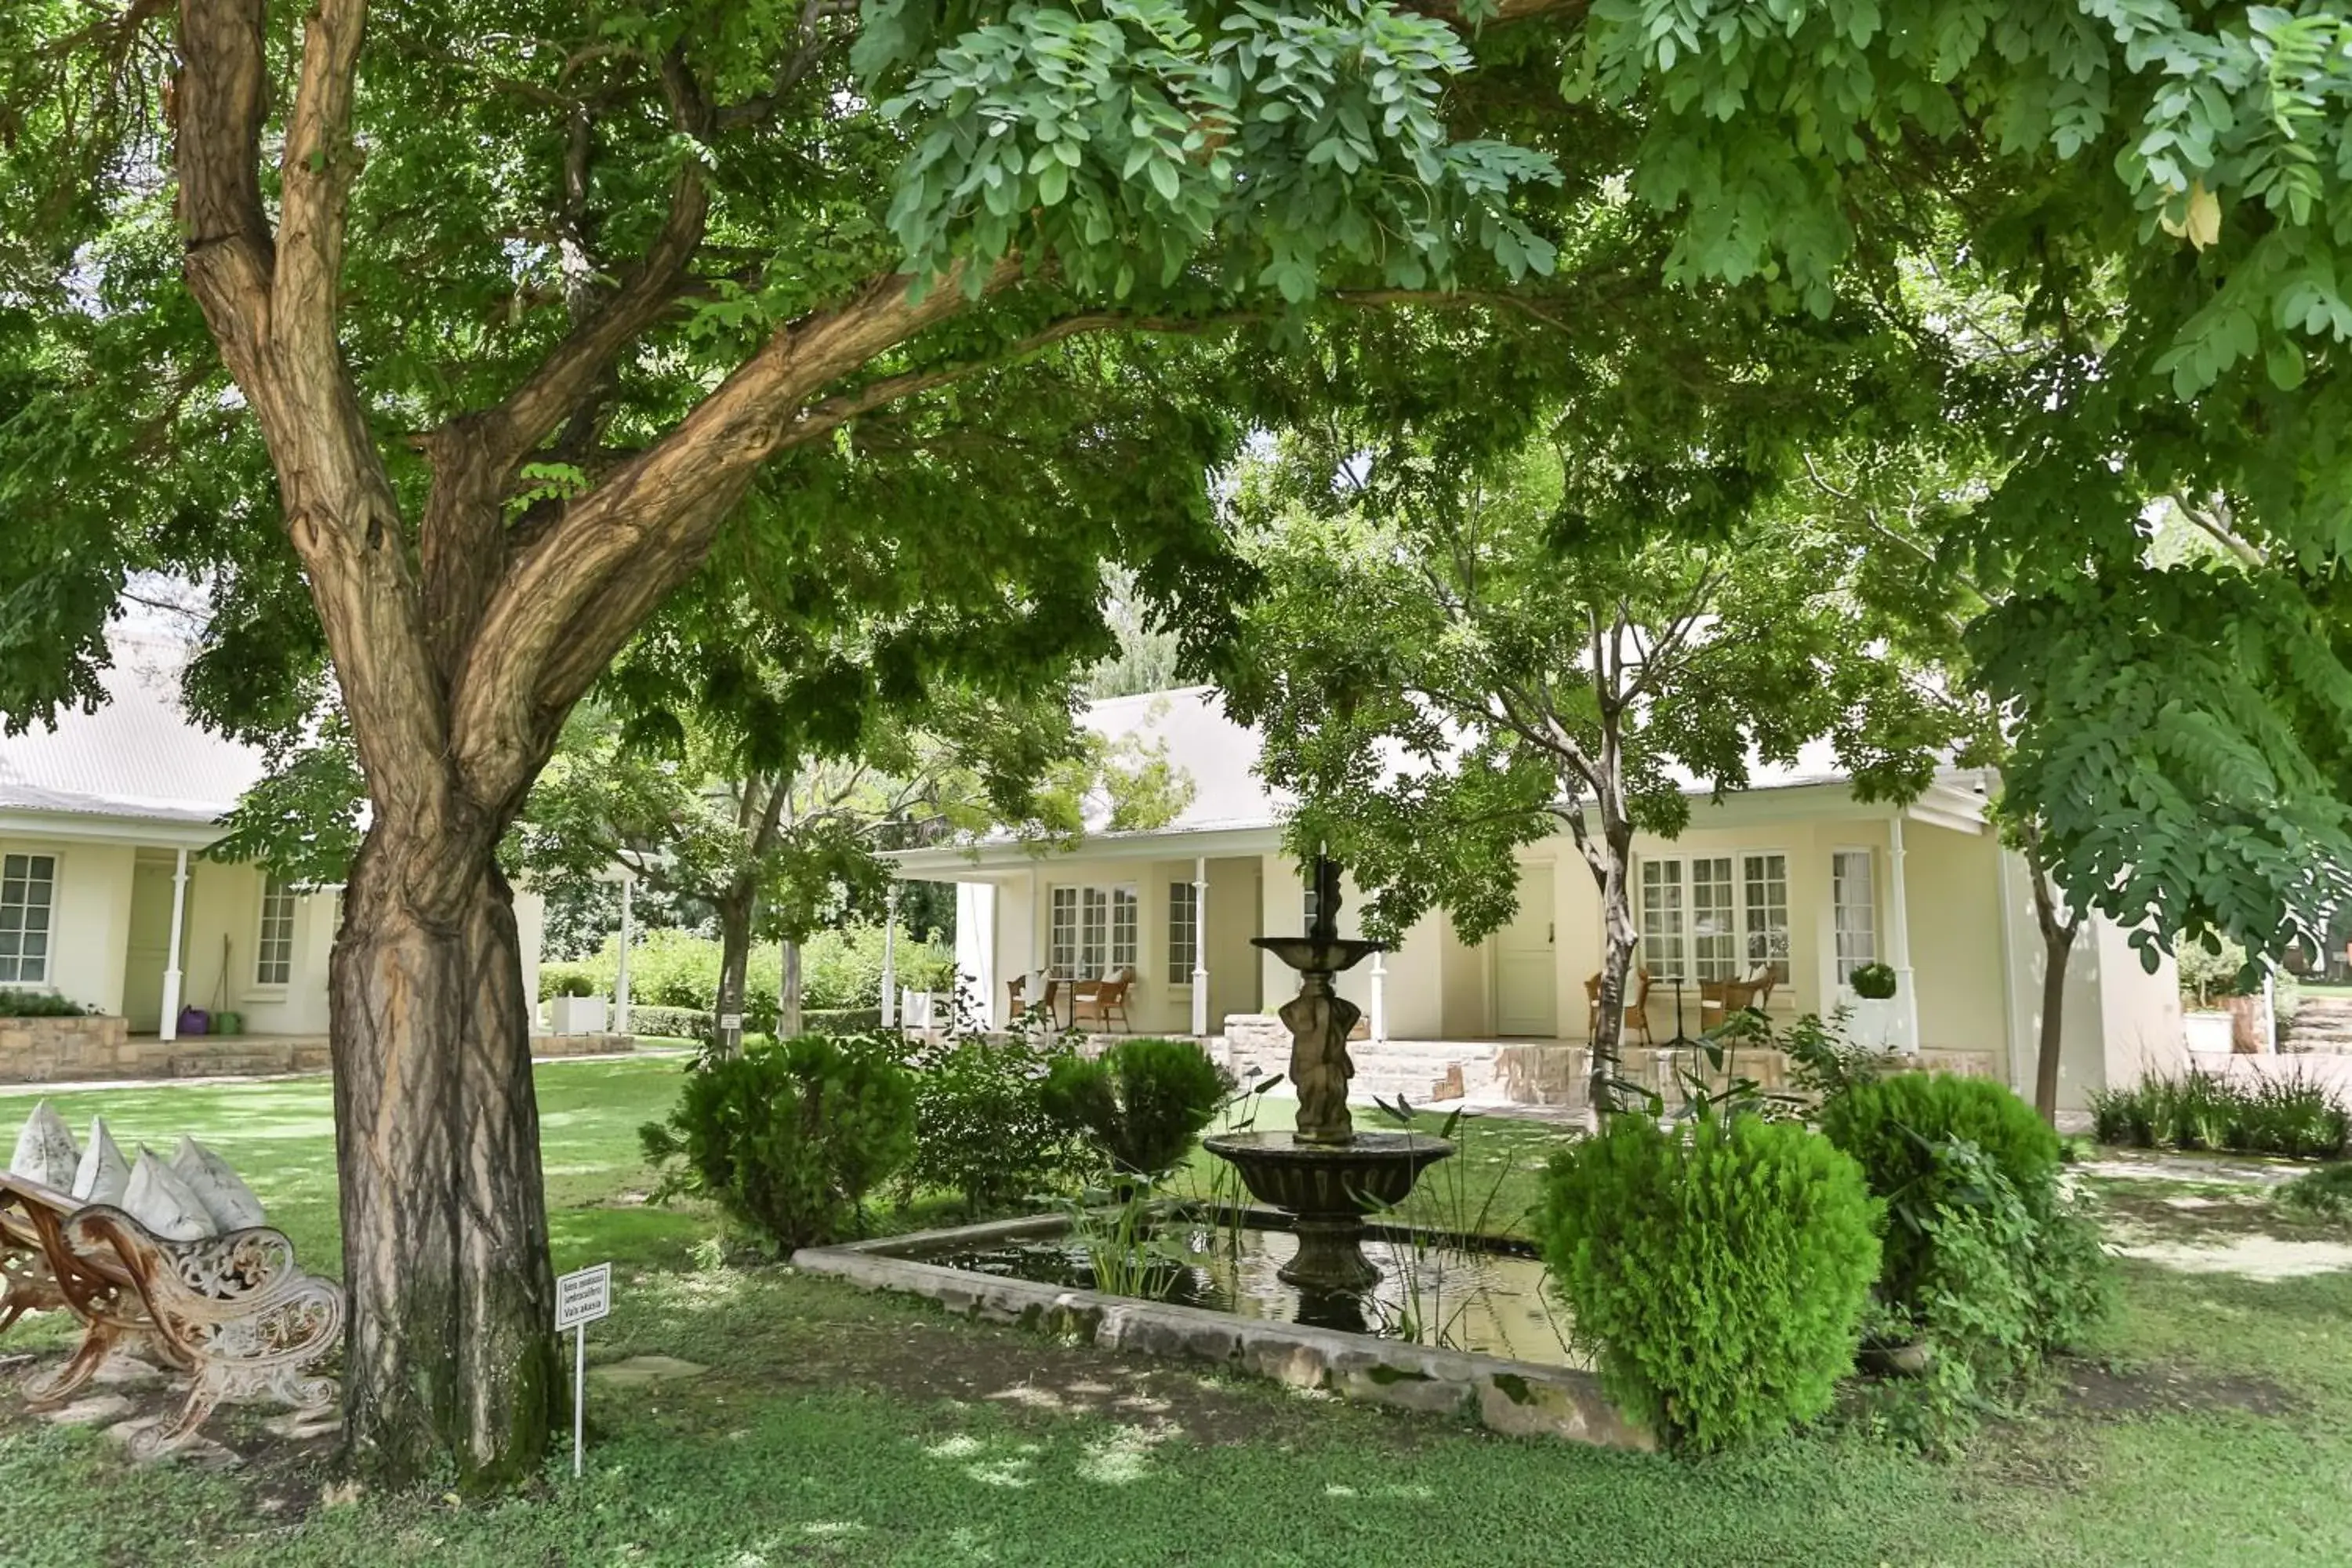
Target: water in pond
(1490, 1301)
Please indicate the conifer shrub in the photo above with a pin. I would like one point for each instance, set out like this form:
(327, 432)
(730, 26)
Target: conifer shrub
(789, 1137)
(1717, 1273)
(1141, 1104)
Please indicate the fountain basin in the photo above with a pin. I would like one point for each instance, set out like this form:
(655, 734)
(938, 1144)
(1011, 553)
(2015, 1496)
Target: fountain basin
(1328, 1188)
(1318, 954)
(1490, 1387)
(1370, 1171)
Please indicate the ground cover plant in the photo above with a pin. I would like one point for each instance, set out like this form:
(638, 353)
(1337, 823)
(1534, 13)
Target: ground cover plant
(2297, 1117)
(2213, 1427)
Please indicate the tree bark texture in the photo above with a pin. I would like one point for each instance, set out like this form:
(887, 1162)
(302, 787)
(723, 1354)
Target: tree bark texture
(445, 1221)
(1619, 937)
(2057, 947)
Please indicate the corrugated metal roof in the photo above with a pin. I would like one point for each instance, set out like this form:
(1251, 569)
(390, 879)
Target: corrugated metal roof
(138, 755)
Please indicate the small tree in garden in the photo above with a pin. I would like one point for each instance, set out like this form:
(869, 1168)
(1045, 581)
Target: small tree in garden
(789, 1138)
(1139, 1105)
(1453, 660)
(2144, 771)
(766, 797)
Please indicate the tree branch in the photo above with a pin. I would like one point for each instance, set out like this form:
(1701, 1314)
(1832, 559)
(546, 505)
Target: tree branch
(218, 103)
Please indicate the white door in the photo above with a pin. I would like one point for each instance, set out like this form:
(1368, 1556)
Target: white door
(147, 951)
(1527, 981)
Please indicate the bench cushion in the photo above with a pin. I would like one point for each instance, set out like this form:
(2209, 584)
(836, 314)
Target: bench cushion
(44, 1150)
(103, 1175)
(158, 1199)
(222, 1192)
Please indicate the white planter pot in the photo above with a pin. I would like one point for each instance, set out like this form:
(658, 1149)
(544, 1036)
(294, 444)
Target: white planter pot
(1876, 1022)
(2208, 1032)
(575, 1014)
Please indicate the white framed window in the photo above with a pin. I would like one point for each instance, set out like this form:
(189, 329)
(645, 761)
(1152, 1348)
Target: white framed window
(1665, 920)
(1853, 911)
(273, 950)
(1089, 930)
(1184, 931)
(1714, 917)
(1764, 912)
(28, 902)
(1062, 933)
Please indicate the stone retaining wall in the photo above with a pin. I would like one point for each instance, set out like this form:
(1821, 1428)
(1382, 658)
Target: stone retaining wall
(46, 1050)
(70, 1051)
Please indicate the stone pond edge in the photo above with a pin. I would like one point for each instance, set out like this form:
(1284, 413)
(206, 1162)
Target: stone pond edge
(1514, 1397)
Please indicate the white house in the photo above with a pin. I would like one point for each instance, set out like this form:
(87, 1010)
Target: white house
(1793, 875)
(108, 896)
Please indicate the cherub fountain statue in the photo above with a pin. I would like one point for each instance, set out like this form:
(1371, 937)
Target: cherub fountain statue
(1325, 1173)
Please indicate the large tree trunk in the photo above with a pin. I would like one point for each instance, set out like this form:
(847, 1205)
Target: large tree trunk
(444, 1218)
(459, 643)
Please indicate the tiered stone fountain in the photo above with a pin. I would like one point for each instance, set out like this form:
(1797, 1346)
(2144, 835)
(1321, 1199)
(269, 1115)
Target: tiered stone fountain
(1325, 1174)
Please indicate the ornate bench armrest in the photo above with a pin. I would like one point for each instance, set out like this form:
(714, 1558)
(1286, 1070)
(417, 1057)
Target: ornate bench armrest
(238, 1297)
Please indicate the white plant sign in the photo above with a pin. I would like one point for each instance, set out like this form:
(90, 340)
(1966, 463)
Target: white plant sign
(582, 1298)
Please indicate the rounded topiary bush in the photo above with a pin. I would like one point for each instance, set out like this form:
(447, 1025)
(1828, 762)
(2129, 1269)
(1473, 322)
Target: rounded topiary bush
(1894, 1126)
(1719, 1275)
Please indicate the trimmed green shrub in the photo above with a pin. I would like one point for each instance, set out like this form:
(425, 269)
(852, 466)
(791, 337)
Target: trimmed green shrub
(1141, 1104)
(674, 1023)
(840, 970)
(982, 1126)
(841, 1020)
(1894, 1126)
(41, 1005)
(1718, 1277)
(789, 1138)
(560, 979)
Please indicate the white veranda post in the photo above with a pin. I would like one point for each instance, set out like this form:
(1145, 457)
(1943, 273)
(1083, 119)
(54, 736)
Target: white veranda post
(628, 936)
(1200, 947)
(169, 1028)
(890, 958)
(1377, 1023)
(1898, 942)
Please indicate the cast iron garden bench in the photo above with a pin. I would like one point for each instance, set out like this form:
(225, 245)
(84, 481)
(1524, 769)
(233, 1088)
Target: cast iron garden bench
(233, 1311)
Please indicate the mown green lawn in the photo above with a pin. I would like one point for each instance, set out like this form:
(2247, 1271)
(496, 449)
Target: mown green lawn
(2215, 1427)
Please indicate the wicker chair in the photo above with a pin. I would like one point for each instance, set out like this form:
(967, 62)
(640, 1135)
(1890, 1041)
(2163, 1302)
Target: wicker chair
(1637, 1011)
(1099, 1001)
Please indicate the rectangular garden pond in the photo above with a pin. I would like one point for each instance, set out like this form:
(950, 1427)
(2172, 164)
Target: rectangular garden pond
(1465, 1328)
